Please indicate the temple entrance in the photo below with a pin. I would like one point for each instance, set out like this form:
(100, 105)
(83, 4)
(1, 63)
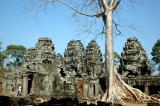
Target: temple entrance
(30, 80)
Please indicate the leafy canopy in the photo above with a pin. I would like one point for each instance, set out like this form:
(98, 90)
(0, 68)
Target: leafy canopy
(16, 53)
(156, 52)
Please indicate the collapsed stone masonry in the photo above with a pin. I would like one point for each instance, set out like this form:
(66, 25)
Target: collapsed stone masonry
(76, 74)
(134, 61)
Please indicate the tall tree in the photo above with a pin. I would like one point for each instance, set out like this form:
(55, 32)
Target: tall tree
(15, 54)
(156, 53)
(118, 90)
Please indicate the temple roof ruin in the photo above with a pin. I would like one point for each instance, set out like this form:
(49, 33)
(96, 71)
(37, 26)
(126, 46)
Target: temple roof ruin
(134, 60)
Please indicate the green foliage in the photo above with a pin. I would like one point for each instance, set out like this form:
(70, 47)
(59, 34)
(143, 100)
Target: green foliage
(15, 53)
(15, 49)
(156, 52)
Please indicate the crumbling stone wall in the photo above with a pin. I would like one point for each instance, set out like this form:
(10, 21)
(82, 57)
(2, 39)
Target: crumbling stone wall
(76, 74)
(40, 67)
(134, 60)
(73, 57)
(93, 59)
(42, 53)
(47, 73)
(10, 83)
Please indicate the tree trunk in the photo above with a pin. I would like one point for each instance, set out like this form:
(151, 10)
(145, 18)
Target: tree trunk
(117, 90)
(109, 52)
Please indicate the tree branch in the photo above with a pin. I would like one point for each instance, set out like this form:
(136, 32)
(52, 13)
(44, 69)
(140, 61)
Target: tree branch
(116, 27)
(116, 4)
(113, 4)
(103, 4)
(74, 9)
(90, 3)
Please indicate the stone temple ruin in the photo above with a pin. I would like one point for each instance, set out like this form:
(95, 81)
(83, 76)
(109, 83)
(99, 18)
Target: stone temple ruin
(134, 60)
(75, 74)
(135, 68)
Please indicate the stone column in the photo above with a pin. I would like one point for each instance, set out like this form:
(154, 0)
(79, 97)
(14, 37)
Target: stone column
(97, 87)
(91, 90)
(85, 89)
(25, 84)
(146, 89)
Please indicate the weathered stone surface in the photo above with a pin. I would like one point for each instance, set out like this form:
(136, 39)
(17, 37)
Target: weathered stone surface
(41, 67)
(133, 59)
(42, 53)
(76, 74)
(93, 59)
(73, 57)
(44, 71)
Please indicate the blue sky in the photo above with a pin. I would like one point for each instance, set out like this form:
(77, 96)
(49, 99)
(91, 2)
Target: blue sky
(22, 25)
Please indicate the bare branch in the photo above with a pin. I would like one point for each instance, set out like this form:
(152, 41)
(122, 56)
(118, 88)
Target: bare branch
(116, 27)
(102, 32)
(103, 4)
(113, 4)
(90, 3)
(71, 7)
(100, 14)
(116, 4)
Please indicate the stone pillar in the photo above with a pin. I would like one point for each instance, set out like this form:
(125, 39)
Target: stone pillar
(85, 89)
(146, 89)
(91, 90)
(25, 84)
(97, 88)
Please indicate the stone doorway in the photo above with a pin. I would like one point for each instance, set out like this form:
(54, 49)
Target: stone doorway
(30, 81)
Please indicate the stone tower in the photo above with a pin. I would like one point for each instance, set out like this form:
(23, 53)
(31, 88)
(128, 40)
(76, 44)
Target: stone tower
(133, 59)
(42, 53)
(93, 59)
(73, 57)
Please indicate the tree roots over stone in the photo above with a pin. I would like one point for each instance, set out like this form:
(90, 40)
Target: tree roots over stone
(123, 93)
